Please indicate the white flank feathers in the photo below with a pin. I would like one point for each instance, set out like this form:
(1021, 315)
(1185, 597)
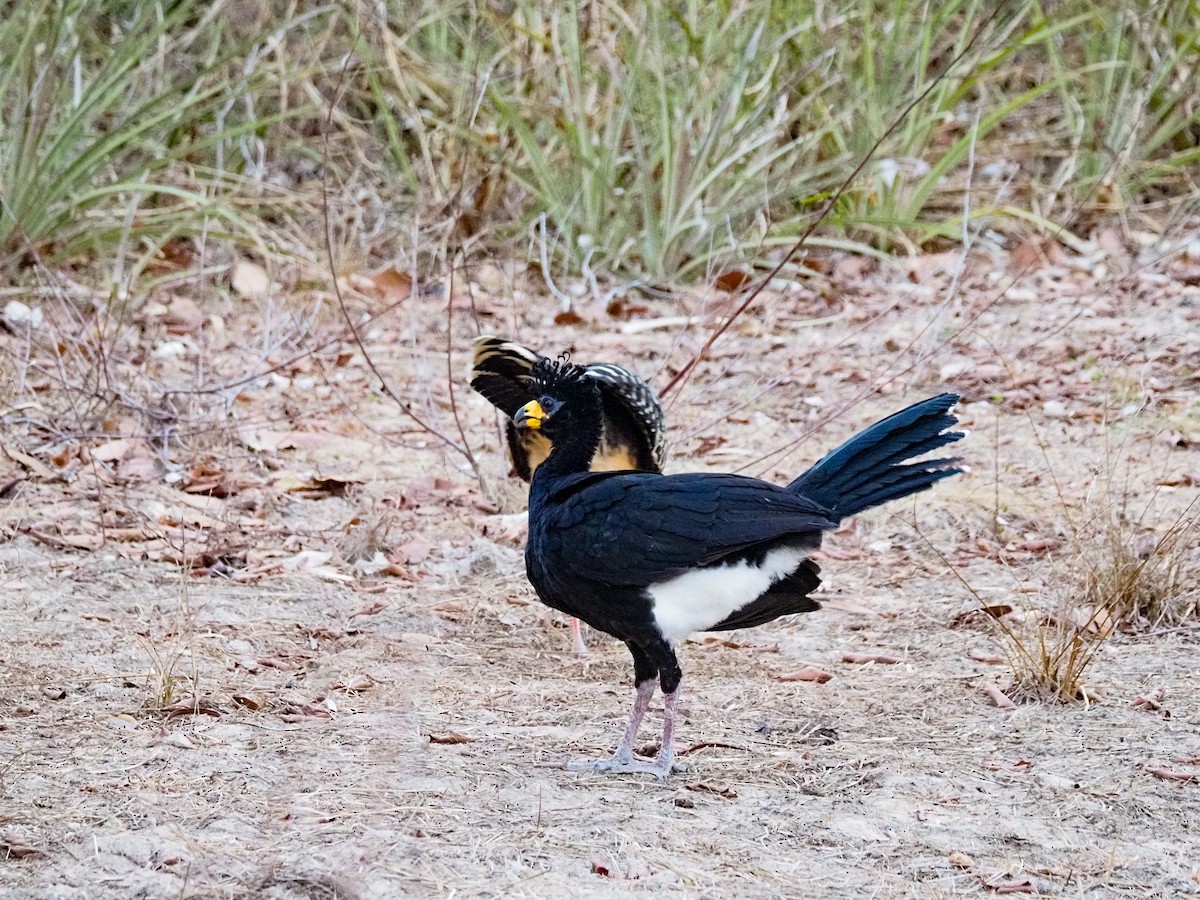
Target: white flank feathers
(699, 599)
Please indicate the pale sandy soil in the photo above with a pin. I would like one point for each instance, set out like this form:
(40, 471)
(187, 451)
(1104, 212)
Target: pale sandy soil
(265, 730)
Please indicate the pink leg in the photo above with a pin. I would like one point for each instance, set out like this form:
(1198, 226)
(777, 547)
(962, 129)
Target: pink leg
(623, 759)
(664, 763)
(641, 703)
(577, 643)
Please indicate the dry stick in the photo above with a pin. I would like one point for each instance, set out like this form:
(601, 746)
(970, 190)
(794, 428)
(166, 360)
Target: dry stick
(450, 380)
(683, 374)
(405, 408)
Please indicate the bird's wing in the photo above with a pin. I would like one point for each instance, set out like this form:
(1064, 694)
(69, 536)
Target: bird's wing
(621, 390)
(500, 371)
(640, 529)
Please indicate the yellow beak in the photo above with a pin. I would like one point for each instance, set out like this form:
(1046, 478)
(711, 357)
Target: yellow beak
(531, 415)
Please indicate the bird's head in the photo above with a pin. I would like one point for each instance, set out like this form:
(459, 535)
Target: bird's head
(567, 404)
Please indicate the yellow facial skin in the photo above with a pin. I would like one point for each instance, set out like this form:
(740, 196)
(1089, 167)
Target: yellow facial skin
(531, 415)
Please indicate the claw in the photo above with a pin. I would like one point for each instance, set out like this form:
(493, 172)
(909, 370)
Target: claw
(658, 767)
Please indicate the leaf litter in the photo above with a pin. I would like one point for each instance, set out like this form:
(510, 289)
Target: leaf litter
(306, 717)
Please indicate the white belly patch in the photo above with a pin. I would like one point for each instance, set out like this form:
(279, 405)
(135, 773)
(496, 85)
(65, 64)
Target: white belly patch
(698, 600)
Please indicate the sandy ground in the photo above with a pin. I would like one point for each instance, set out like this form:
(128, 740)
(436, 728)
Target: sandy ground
(296, 724)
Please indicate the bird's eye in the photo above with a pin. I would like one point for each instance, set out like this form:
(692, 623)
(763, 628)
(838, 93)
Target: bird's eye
(549, 405)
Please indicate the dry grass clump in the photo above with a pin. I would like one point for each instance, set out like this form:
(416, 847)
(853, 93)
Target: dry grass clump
(1123, 555)
(1146, 581)
(1125, 577)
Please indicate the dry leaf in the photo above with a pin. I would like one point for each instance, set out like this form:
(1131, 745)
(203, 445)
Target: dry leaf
(998, 697)
(450, 737)
(183, 316)
(15, 846)
(808, 673)
(1035, 545)
(989, 658)
(413, 552)
(250, 280)
(305, 712)
(119, 449)
(568, 317)
(732, 280)
(1173, 775)
(275, 662)
(371, 609)
(877, 658)
(1152, 700)
(192, 706)
(1011, 886)
(265, 439)
(714, 641)
(713, 787)
(34, 465)
(391, 285)
(980, 614)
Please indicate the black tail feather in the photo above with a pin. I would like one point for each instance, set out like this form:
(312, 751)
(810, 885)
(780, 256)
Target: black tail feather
(872, 467)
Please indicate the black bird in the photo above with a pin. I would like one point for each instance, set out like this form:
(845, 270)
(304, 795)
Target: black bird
(634, 430)
(650, 559)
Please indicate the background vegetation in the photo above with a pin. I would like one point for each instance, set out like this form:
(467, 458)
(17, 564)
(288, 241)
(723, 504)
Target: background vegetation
(641, 142)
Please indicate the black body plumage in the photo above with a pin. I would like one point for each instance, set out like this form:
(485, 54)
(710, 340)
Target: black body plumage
(651, 558)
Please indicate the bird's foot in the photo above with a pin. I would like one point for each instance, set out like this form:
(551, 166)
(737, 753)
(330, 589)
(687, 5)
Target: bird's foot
(621, 764)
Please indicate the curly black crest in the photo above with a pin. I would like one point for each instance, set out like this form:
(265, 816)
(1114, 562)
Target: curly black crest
(554, 376)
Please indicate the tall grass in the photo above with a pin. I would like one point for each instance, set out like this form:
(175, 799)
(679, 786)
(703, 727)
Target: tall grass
(635, 141)
(660, 142)
(128, 124)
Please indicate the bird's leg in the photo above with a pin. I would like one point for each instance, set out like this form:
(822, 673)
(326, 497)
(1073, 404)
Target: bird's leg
(577, 643)
(664, 763)
(623, 759)
(623, 755)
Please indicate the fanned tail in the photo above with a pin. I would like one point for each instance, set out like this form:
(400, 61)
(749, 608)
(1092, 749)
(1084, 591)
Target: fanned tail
(873, 466)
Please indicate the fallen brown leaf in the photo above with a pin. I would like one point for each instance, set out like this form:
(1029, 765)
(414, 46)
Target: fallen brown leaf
(998, 697)
(1011, 886)
(1173, 775)
(193, 706)
(1151, 700)
(305, 712)
(14, 845)
(808, 673)
(371, 609)
(713, 787)
(732, 280)
(714, 641)
(391, 285)
(250, 280)
(32, 463)
(980, 614)
(450, 737)
(877, 658)
(990, 658)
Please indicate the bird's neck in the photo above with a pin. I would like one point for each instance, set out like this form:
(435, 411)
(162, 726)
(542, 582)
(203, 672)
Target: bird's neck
(573, 453)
